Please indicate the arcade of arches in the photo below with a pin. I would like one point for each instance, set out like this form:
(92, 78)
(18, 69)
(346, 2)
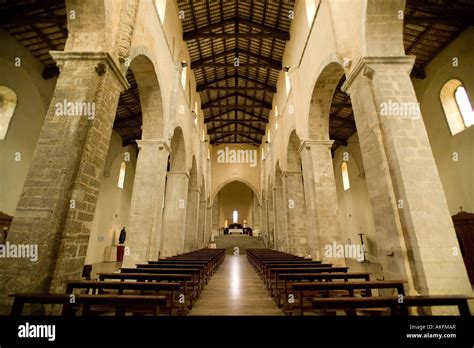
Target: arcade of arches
(331, 130)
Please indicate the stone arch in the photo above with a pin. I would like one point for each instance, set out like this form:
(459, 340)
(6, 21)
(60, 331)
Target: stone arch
(228, 181)
(150, 97)
(293, 158)
(321, 99)
(382, 31)
(177, 159)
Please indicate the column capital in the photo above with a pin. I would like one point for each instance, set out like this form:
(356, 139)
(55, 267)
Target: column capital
(368, 65)
(60, 57)
(290, 172)
(161, 144)
(178, 173)
(309, 143)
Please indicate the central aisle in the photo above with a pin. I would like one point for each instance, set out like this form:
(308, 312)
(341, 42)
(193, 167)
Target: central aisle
(235, 289)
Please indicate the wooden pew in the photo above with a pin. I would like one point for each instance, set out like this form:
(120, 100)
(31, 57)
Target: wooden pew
(188, 286)
(120, 304)
(170, 290)
(351, 304)
(306, 290)
(194, 272)
(203, 275)
(286, 280)
(274, 272)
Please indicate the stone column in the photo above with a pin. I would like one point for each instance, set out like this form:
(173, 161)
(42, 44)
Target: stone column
(256, 217)
(264, 216)
(192, 212)
(202, 223)
(321, 199)
(271, 220)
(215, 214)
(281, 237)
(146, 208)
(294, 202)
(408, 202)
(59, 196)
(174, 216)
(208, 231)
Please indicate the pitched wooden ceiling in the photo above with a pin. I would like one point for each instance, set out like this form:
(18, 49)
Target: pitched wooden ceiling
(236, 50)
(219, 30)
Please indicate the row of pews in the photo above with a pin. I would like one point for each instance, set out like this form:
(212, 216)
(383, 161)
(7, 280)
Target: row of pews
(300, 285)
(168, 286)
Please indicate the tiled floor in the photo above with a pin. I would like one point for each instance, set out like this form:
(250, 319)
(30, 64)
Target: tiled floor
(235, 289)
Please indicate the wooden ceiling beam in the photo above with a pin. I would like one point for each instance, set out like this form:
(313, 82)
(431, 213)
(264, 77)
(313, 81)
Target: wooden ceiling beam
(210, 103)
(267, 87)
(344, 120)
(275, 64)
(205, 31)
(237, 106)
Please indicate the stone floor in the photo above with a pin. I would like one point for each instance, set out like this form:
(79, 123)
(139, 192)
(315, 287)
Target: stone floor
(235, 289)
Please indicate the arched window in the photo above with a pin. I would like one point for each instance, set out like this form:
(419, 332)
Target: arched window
(345, 176)
(7, 108)
(456, 105)
(121, 179)
(235, 217)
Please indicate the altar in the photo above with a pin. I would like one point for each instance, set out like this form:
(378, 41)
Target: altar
(236, 231)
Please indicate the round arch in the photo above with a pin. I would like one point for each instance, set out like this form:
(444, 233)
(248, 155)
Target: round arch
(178, 151)
(228, 181)
(321, 99)
(150, 97)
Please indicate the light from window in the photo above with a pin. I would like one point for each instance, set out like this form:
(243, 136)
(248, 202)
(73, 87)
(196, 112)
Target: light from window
(235, 217)
(345, 176)
(456, 105)
(310, 10)
(161, 8)
(464, 106)
(183, 75)
(7, 108)
(287, 83)
(121, 179)
(268, 138)
(276, 110)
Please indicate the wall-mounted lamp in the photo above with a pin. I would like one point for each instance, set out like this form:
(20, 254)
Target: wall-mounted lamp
(286, 68)
(184, 64)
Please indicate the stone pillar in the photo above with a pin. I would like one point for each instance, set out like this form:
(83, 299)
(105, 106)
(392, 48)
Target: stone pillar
(215, 215)
(174, 216)
(208, 231)
(405, 190)
(146, 208)
(256, 217)
(294, 202)
(59, 196)
(264, 216)
(192, 211)
(271, 220)
(281, 237)
(202, 223)
(321, 199)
